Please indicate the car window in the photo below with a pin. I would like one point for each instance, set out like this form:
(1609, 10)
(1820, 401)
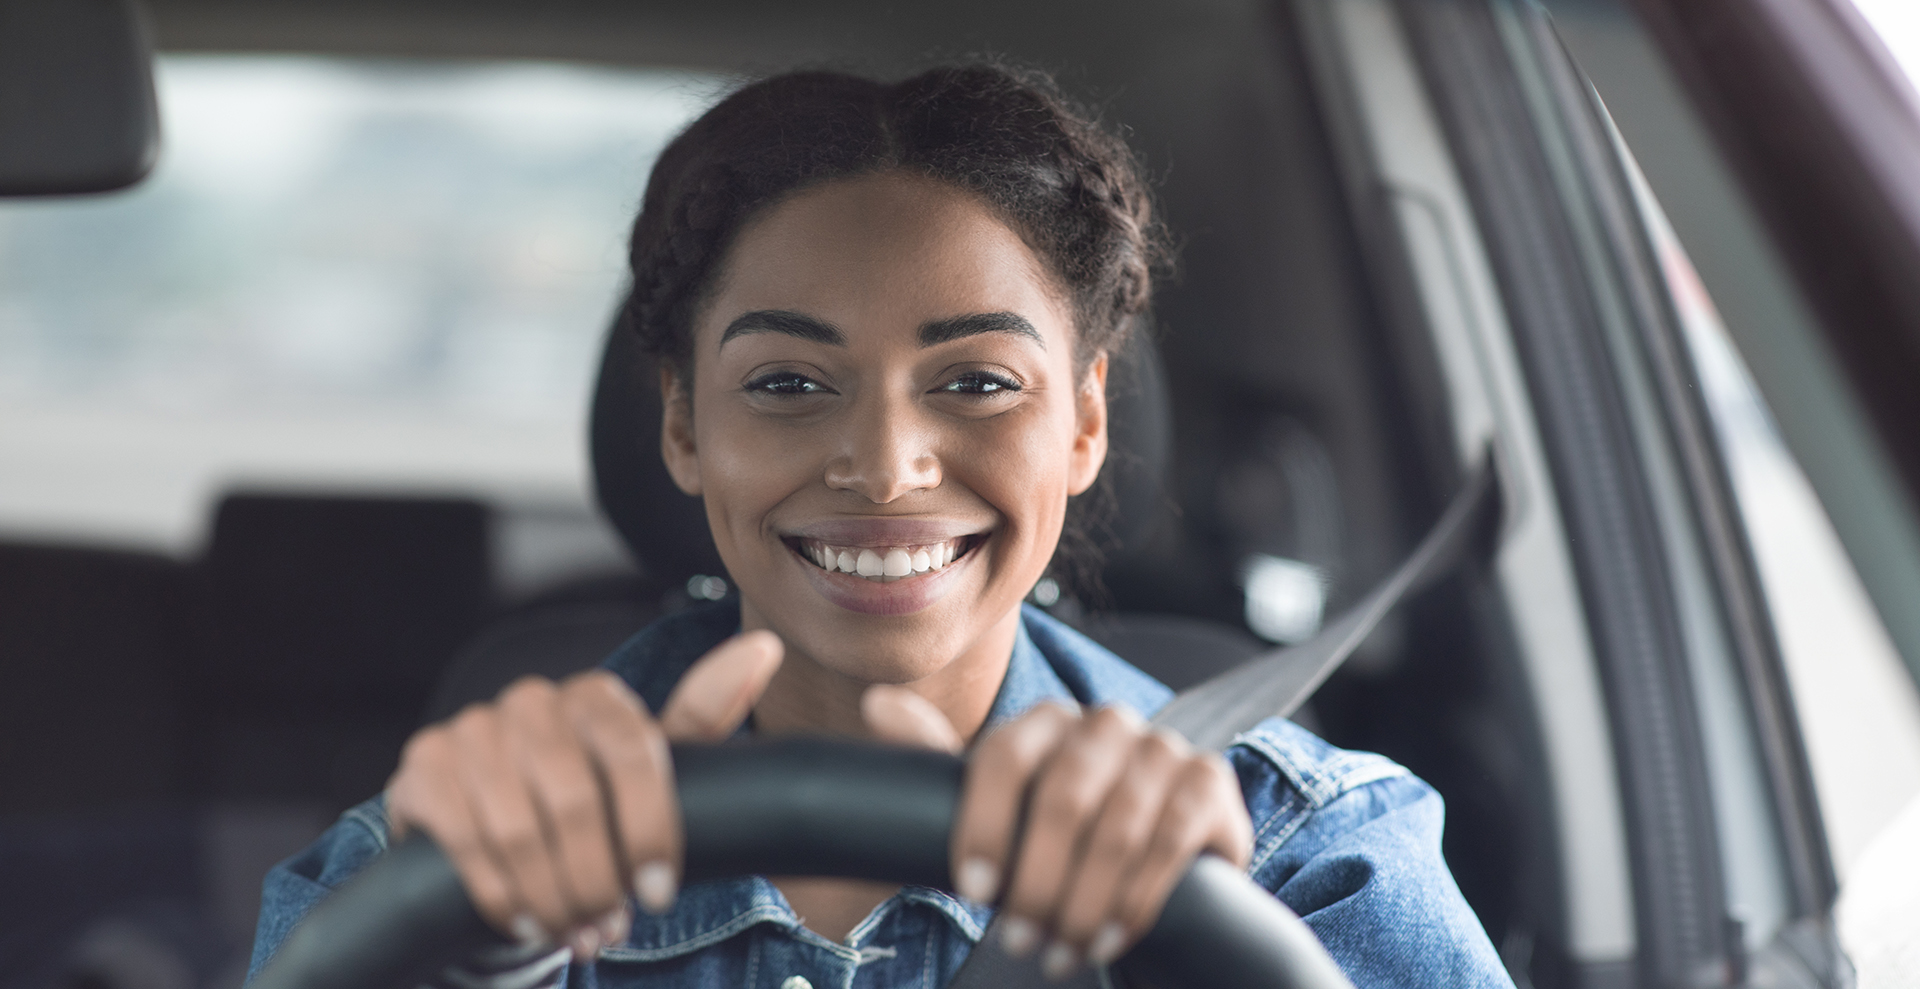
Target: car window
(1897, 22)
(1858, 709)
(376, 274)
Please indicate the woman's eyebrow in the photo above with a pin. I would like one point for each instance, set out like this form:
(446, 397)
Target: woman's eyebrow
(783, 321)
(943, 330)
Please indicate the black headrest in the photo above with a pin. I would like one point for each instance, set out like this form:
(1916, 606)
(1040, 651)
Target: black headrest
(92, 642)
(667, 531)
(332, 598)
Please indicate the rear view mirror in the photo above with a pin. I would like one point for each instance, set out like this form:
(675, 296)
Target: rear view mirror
(77, 111)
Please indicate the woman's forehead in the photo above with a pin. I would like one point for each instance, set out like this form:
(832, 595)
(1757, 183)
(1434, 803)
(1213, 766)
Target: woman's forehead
(890, 250)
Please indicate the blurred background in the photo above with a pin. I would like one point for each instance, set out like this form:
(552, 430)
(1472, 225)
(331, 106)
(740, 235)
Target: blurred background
(355, 317)
(342, 272)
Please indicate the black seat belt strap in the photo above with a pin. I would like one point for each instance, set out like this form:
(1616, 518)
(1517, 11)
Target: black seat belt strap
(1212, 713)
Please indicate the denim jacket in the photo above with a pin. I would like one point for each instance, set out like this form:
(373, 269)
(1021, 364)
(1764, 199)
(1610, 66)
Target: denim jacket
(1349, 840)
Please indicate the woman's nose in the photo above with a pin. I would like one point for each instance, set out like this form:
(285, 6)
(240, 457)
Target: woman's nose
(885, 456)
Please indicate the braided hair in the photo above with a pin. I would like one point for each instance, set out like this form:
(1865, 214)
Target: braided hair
(1071, 189)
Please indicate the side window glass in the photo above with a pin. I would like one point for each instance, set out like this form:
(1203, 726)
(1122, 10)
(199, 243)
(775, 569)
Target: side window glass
(1858, 707)
(1897, 22)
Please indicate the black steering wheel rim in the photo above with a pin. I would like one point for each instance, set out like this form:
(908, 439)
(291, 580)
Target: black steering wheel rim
(809, 806)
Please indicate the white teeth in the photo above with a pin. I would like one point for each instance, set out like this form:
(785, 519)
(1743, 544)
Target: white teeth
(882, 565)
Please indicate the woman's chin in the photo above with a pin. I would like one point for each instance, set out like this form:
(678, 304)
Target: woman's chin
(898, 664)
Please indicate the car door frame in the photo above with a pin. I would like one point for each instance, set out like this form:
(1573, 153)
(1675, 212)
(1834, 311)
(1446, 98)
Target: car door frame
(1638, 487)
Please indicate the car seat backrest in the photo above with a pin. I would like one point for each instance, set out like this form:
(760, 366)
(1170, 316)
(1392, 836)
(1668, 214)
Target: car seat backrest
(332, 618)
(1177, 650)
(553, 642)
(664, 529)
(91, 642)
(334, 598)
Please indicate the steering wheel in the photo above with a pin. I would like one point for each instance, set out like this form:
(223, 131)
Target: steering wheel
(815, 807)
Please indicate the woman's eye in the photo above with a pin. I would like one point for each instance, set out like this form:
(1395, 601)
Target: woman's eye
(785, 383)
(980, 383)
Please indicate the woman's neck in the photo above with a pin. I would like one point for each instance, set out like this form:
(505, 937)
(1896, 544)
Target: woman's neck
(806, 697)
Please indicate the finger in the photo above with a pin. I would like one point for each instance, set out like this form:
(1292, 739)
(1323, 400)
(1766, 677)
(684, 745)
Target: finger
(1087, 919)
(635, 766)
(1232, 838)
(510, 826)
(425, 794)
(1066, 797)
(615, 926)
(990, 801)
(425, 772)
(898, 715)
(1203, 811)
(572, 808)
(714, 697)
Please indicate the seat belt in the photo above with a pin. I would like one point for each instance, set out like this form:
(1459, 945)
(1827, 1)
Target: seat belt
(1273, 684)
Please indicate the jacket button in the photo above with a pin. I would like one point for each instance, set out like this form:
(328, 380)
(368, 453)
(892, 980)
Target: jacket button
(796, 982)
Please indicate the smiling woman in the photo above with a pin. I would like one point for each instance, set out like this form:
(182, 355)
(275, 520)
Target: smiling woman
(896, 432)
(884, 315)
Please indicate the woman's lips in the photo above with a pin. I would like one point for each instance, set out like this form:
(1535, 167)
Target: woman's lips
(883, 593)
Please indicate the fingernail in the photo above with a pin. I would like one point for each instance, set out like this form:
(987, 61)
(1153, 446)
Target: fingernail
(526, 930)
(978, 880)
(1107, 944)
(1059, 961)
(1019, 936)
(615, 926)
(653, 884)
(585, 942)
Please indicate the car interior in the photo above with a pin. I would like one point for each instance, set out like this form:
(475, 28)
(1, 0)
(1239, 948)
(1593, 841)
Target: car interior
(178, 722)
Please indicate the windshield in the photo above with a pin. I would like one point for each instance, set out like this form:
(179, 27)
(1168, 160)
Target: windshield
(342, 273)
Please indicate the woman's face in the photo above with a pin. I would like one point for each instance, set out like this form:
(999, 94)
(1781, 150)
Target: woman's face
(883, 383)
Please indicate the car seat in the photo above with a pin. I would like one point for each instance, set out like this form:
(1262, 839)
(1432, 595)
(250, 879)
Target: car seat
(92, 640)
(333, 618)
(93, 838)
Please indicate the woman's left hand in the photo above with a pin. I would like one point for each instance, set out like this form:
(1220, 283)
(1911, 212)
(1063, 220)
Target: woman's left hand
(1115, 811)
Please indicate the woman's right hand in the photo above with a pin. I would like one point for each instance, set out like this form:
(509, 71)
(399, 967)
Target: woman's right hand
(546, 797)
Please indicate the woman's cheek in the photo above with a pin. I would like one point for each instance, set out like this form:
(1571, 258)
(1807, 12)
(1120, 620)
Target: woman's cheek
(1016, 464)
(747, 466)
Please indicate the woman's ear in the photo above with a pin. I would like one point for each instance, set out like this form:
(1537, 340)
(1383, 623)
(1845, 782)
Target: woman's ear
(1090, 428)
(676, 431)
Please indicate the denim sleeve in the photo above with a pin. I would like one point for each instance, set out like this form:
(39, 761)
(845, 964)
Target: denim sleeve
(294, 886)
(1351, 842)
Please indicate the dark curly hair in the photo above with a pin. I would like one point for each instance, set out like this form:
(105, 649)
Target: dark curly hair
(1069, 187)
